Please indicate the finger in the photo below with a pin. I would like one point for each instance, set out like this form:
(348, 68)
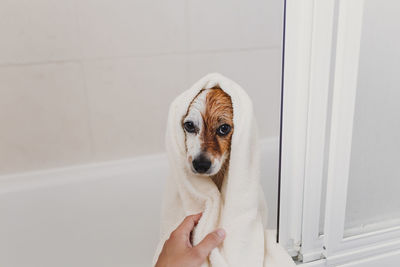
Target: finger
(211, 241)
(188, 224)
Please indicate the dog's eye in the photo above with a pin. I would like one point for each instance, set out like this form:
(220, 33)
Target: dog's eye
(189, 127)
(224, 129)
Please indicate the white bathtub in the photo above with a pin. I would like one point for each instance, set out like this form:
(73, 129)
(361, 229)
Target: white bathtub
(96, 215)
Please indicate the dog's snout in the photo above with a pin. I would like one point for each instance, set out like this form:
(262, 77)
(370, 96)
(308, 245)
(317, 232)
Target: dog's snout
(201, 164)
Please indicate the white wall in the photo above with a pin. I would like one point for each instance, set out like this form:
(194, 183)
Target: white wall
(85, 81)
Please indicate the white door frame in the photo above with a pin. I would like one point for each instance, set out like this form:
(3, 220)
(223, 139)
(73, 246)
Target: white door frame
(308, 38)
(308, 68)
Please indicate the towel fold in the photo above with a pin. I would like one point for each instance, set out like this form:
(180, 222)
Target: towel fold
(240, 207)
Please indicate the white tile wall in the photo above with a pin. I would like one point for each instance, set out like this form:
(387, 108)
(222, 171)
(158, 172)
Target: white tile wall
(234, 24)
(129, 100)
(110, 28)
(115, 67)
(37, 31)
(43, 117)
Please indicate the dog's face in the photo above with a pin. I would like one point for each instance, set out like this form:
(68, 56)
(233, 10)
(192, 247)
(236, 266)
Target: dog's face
(208, 127)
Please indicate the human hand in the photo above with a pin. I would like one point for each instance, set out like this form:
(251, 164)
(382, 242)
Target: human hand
(179, 252)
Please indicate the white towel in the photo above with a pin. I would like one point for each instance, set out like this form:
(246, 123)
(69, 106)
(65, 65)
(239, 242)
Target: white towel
(240, 207)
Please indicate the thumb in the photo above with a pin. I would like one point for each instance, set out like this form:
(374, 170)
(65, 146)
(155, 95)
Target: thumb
(211, 241)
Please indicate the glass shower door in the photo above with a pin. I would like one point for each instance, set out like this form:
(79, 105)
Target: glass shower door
(340, 160)
(373, 196)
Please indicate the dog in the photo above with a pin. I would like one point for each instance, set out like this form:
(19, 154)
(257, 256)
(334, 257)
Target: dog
(208, 127)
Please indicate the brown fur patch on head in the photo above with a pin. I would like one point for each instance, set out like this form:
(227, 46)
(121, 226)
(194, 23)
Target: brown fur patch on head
(219, 111)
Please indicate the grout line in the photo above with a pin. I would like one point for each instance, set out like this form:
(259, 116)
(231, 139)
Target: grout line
(33, 63)
(187, 26)
(194, 52)
(89, 121)
(230, 50)
(187, 42)
(88, 108)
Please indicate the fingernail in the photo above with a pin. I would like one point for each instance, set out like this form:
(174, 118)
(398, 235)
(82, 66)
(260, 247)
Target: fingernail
(221, 233)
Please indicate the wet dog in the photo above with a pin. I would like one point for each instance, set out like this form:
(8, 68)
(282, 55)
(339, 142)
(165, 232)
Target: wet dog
(208, 127)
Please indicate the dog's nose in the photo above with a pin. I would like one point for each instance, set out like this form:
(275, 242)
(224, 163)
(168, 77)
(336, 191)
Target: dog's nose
(201, 164)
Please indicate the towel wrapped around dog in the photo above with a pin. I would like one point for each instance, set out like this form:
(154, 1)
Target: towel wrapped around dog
(240, 206)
